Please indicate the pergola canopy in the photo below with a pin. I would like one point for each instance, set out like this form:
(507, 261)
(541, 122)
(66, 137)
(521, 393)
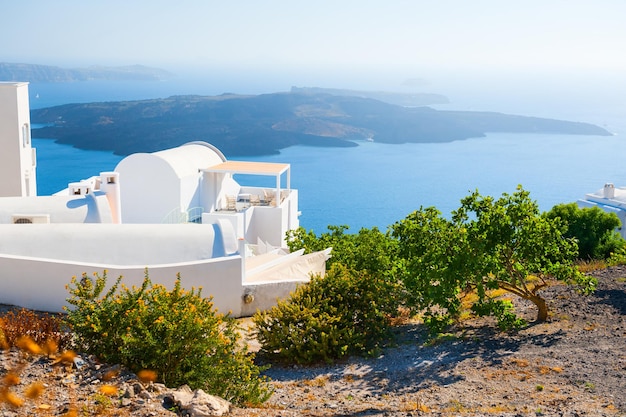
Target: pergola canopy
(254, 168)
(251, 168)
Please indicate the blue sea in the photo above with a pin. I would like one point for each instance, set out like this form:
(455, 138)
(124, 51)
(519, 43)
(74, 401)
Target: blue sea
(378, 184)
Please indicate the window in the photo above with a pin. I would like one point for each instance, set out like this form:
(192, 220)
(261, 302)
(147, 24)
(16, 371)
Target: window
(25, 135)
(22, 220)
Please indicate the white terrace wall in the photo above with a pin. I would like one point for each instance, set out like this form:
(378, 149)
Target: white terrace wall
(272, 223)
(59, 208)
(39, 284)
(130, 244)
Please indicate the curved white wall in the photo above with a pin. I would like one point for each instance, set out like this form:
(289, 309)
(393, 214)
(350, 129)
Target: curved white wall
(39, 284)
(187, 159)
(130, 244)
(61, 208)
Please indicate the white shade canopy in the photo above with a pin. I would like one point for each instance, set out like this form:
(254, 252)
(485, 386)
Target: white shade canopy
(253, 168)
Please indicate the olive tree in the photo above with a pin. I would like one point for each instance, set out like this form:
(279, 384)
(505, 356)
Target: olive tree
(432, 270)
(487, 244)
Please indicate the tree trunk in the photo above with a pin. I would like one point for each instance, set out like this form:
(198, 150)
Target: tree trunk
(542, 308)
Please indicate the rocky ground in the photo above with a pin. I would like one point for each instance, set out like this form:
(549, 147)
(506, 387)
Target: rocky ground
(573, 365)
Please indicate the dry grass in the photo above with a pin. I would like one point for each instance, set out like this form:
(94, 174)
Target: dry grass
(45, 330)
(319, 381)
(591, 265)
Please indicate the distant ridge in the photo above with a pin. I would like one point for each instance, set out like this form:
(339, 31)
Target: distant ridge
(50, 74)
(400, 99)
(266, 123)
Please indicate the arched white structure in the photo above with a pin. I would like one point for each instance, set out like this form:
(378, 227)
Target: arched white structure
(157, 183)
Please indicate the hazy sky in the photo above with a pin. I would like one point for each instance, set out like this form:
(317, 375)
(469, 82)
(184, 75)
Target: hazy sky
(411, 37)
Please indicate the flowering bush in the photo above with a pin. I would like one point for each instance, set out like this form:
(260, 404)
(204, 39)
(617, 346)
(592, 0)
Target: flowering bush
(177, 334)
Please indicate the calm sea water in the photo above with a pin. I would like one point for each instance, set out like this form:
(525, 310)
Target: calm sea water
(377, 184)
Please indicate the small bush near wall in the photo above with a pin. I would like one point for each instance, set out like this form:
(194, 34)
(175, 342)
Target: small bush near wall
(594, 229)
(178, 334)
(346, 312)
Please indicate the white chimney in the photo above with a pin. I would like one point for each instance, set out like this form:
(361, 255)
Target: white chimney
(110, 186)
(609, 190)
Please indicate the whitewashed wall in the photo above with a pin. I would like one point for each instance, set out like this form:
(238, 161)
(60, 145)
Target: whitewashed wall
(40, 284)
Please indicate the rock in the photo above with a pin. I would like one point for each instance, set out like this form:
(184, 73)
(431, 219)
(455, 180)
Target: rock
(145, 395)
(137, 388)
(197, 403)
(129, 393)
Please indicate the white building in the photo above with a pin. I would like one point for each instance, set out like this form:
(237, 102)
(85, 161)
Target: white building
(175, 211)
(610, 199)
(17, 173)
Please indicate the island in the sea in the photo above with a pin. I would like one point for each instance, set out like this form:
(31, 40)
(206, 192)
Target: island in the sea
(51, 74)
(263, 124)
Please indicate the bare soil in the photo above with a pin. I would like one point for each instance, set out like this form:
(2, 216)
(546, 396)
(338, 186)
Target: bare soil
(572, 365)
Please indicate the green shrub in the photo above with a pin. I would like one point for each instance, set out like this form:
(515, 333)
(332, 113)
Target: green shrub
(178, 334)
(369, 249)
(345, 312)
(593, 228)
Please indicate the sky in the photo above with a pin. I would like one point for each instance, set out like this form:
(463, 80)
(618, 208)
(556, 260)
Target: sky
(411, 39)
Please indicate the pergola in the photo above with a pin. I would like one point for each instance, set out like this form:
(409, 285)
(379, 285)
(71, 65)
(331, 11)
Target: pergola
(254, 168)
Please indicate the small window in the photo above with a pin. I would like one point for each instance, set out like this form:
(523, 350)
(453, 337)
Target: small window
(25, 135)
(23, 220)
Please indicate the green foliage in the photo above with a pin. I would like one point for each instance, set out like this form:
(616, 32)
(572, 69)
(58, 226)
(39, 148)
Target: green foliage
(594, 229)
(433, 272)
(502, 310)
(176, 333)
(345, 312)
(488, 244)
(618, 257)
(369, 249)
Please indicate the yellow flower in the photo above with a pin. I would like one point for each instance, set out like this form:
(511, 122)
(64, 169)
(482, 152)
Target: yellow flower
(50, 347)
(34, 390)
(28, 344)
(68, 356)
(109, 390)
(110, 375)
(147, 375)
(12, 399)
(11, 379)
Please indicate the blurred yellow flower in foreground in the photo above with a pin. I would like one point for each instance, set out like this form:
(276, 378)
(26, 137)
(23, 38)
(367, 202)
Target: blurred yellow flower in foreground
(109, 390)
